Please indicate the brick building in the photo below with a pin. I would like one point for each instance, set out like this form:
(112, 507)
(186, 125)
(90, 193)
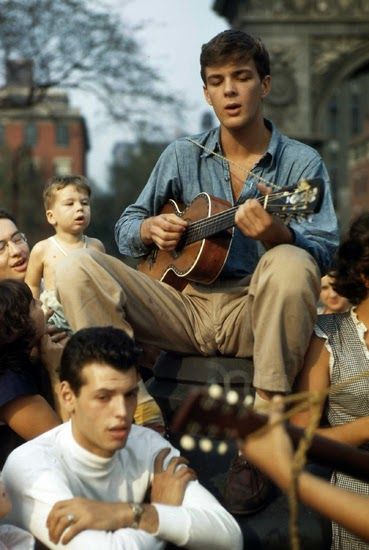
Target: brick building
(45, 130)
(40, 135)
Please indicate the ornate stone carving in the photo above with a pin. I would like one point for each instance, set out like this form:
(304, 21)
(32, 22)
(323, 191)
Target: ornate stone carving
(284, 86)
(283, 9)
(328, 51)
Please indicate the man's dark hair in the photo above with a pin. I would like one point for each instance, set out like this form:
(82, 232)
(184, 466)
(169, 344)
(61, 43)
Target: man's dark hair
(108, 345)
(5, 215)
(351, 272)
(234, 46)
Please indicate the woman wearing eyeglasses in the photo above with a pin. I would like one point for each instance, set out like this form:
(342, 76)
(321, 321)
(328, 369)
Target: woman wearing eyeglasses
(14, 251)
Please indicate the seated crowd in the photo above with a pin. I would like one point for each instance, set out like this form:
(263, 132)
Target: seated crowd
(87, 415)
(83, 463)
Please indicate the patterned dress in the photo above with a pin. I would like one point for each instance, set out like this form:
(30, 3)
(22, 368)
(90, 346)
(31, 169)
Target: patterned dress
(349, 356)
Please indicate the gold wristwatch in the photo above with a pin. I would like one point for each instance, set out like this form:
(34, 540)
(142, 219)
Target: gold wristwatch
(137, 510)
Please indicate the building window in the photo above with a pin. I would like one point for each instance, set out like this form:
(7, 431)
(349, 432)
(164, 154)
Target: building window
(62, 166)
(30, 134)
(62, 134)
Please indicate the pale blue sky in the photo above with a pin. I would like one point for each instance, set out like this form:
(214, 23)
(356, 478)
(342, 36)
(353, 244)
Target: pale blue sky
(173, 35)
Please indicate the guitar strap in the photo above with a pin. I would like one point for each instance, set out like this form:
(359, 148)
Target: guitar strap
(236, 165)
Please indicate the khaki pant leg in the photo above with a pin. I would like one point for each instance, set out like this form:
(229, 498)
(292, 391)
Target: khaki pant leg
(98, 290)
(283, 296)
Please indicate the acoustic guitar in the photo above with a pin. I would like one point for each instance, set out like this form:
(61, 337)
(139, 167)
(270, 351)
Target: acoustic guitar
(202, 251)
(223, 417)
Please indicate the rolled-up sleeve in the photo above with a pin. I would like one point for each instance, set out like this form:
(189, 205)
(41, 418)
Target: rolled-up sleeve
(160, 187)
(318, 234)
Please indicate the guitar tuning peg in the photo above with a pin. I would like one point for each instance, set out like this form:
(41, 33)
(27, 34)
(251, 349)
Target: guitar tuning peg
(248, 401)
(206, 445)
(215, 391)
(232, 397)
(222, 448)
(187, 442)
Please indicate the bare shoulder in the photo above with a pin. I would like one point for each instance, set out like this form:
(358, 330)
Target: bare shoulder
(317, 351)
(315, 372)
(40, 248)
(95, 243)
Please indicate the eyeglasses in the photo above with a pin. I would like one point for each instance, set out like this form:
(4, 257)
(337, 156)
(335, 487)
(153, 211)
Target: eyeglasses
(17, 239)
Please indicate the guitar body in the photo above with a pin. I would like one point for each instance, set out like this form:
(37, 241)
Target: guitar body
(200, 261)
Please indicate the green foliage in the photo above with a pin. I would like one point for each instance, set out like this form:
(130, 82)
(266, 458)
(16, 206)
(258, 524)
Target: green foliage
(128, 176)
(84, 45)
(21, 192)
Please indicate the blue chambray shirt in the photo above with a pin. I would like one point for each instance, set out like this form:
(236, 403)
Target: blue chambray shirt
(184, 170)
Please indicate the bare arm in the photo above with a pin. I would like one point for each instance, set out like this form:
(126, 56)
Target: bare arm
(35, 268)
(272, 453)
(97, 244)
(29, 416)
(315, 377)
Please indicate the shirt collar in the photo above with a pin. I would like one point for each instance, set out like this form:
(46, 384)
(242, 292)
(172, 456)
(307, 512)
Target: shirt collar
(212, 141)
(274, 141)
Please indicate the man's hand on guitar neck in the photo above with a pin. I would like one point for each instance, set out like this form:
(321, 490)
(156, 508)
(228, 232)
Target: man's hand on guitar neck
(164, 231)
(254, 221)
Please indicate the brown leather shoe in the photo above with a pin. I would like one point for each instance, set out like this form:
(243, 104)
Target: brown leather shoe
(247, 489)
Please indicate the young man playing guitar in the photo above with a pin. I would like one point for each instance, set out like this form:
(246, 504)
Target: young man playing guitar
(263, 303)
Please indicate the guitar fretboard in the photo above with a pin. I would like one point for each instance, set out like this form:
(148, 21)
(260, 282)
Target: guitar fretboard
(207, 227)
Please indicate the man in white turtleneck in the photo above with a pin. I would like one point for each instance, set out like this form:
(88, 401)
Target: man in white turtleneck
(85, 483)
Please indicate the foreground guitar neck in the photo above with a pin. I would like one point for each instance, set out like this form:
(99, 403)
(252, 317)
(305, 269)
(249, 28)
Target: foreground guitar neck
(202, 415)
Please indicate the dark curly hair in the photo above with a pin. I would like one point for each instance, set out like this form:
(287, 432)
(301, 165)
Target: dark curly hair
(17, 331)
(352, 265)
(107, 345)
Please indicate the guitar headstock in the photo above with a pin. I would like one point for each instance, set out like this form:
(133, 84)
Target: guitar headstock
(297, 201)
(213, 416)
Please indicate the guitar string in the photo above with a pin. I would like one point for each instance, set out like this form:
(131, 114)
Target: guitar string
(218, 220)
(301, 401)
(245, 170)
(300, 454)
(313, 400)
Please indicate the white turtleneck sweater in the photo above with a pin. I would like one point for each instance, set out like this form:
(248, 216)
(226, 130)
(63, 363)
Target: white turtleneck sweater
(53, 467)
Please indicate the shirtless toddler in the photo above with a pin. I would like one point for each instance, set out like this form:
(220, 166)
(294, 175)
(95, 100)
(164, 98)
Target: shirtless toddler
(67, 206)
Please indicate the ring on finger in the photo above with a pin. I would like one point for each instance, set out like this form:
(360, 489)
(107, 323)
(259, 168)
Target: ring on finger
(70, 518)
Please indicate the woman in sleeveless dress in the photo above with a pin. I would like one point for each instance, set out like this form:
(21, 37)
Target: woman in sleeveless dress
(338, 352)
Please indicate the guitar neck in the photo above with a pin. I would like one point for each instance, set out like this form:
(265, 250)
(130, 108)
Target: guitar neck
(300, 200)
(201, 415)
(208, 227)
